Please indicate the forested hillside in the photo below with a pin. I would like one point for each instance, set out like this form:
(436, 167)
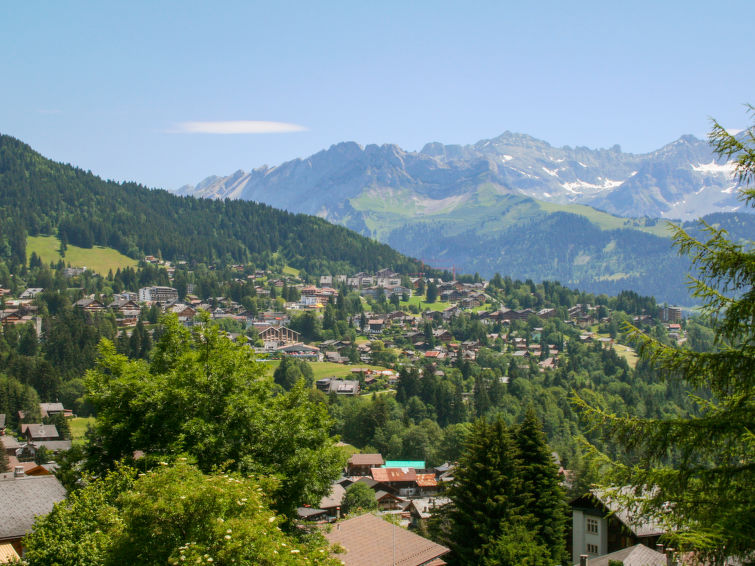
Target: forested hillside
(39, 196)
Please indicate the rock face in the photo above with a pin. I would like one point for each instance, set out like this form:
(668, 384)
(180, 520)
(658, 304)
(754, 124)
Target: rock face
(682, 180)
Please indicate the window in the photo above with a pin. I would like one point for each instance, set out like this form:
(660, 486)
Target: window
(592, 549)
(592, 526)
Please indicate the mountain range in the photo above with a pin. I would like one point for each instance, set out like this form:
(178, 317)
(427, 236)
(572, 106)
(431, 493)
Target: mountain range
(513, 204)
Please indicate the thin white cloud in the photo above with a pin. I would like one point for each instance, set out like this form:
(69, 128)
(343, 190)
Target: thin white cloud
(733, 131)
(237, 127)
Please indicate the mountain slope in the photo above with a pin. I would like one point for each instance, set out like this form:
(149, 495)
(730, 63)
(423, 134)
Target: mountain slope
(39, 196)
(512, 204)
(681, 180)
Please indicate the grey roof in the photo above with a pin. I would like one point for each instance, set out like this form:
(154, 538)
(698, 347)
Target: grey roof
(42, 431)
(334, 499)
(51, 407)
(10, 442)
(54, 445)
(632, 517)
(23, 499)
(637, 555)
(2, 420)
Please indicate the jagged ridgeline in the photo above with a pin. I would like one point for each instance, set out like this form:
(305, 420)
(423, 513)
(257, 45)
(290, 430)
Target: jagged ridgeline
(40, 196)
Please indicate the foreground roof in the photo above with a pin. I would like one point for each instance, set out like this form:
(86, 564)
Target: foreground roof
(637, 555)
(22, 499)
(372, 541)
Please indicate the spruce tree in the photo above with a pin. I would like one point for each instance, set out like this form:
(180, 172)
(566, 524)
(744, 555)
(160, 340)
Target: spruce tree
(541, 485)
(485, 497)
(696, 474)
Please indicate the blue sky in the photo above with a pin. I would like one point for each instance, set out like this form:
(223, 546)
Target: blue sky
(124, 89)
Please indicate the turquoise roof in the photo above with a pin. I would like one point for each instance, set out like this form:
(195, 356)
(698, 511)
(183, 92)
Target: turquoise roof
(416, 464)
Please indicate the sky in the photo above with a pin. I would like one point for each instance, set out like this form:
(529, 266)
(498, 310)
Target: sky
(168, 93)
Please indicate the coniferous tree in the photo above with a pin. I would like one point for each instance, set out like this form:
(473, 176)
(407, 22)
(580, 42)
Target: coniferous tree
(705, 496)
(542, 487)
(486, 495)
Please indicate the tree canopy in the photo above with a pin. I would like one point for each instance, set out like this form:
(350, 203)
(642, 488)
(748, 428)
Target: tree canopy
(696, 474)
(206, 396)
(173, 514)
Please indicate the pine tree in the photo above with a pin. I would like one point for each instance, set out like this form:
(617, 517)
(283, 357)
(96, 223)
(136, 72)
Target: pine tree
(705, 496)
(486, 496)
(542, 486)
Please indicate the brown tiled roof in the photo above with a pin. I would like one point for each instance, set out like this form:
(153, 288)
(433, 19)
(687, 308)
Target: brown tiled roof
(366, 460)
(393, 474)
(371, 541)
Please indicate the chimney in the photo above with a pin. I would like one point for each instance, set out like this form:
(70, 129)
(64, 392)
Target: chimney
(670, 559)
(18, 472)
(583, 560)
(659, 548)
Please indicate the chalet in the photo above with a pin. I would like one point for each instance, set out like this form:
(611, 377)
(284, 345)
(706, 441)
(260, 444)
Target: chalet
(369, 541)
(276, 336)
(50, 409)
(39, 432)
(127, 308)
(360, 464)
(421, 508)
(185, 313)
(401, 480)
(376, 325)
(91, 305)
(331, 503)
(344, 387)
(300, 351)
(24, 498)
(389, 502)
(601, 525)
(30, 293)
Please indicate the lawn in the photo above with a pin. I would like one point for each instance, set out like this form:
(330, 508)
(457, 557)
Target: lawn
(79, 427)
(423, 305)
(325, 369)
(97, 259)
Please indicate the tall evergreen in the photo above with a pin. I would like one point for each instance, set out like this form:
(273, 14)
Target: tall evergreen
(485, 497)
(541, 486)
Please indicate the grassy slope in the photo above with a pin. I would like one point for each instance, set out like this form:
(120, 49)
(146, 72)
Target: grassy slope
(79, 427)
(325, 369)
(607, 221)
(96, 259)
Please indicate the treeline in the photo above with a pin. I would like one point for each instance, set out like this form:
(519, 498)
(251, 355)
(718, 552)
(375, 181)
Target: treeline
(39, 196)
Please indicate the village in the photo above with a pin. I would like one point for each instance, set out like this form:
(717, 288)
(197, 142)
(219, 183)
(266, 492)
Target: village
(399, 325)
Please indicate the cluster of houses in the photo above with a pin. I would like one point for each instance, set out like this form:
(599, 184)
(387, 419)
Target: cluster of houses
(33, 437)
(407, 489)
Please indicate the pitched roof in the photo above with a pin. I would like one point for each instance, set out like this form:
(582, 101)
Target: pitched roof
(334, 498)
(22, 499)
(630, 516)
(393, 474)
(41, 431)
(637, 555)
(371, 541)
(366, 460)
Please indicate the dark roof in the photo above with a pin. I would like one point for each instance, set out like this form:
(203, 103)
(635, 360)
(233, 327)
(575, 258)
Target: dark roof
(41, 431)
(637, 555)
(22, 499)
(616, 504)
(368, 540)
